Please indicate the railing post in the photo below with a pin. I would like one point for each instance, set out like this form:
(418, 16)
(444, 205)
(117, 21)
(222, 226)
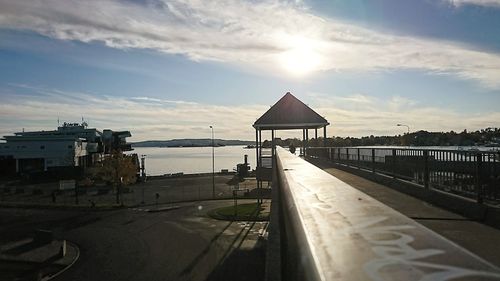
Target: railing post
(479, 185)
(426, 169)
(338, 154)
(359, 160)
(373, 160)
(393, 163)
(347, 157)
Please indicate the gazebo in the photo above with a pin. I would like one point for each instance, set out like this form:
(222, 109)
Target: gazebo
(289, 113)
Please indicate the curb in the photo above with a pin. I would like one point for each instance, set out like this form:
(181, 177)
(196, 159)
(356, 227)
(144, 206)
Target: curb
(68, 266)
(164, 209)
(60, 207)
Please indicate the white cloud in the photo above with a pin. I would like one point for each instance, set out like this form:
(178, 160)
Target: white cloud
(265, 34)
(487, 3)
(356, 115)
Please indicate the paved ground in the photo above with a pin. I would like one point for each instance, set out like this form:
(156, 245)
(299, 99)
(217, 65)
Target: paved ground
(133, 244)
(185, 188)
(477, 238)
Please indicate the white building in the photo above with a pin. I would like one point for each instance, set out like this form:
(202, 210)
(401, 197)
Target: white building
(71, 145)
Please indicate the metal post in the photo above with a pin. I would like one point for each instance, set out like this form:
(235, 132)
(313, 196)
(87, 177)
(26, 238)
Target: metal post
(213, 163)
(393, 163)
(359, 160)
(316, 133)
(479, 184)
(347, 156)
(373, 160)
(426, 169)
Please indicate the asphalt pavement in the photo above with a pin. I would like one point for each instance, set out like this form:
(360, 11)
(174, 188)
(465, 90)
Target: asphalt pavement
(134, 244)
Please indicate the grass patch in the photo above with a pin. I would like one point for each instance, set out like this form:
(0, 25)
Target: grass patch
(244, 212)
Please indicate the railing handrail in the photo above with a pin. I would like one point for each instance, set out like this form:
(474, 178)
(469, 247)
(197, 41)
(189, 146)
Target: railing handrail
(409, 149)
(335, 232)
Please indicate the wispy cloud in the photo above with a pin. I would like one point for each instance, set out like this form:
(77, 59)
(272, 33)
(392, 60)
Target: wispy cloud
(487, 3)
(356, 115)
(265, 34)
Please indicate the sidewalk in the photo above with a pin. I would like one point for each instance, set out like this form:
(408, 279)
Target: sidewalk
(478, 238)
(27, 260)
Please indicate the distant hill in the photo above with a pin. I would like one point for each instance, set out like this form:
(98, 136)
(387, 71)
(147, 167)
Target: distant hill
(189, 143)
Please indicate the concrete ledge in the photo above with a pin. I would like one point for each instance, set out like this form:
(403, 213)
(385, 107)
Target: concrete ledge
(466, 207)
(164, 209)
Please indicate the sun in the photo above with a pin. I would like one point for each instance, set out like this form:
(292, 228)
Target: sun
(302, 57)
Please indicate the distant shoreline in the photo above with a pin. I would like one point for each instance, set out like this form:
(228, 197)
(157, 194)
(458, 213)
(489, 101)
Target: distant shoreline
(191, 143)
(187, 146)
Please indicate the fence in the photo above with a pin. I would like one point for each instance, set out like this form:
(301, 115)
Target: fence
(471, 174)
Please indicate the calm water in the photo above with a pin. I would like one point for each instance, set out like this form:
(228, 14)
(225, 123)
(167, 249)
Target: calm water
(190, 160)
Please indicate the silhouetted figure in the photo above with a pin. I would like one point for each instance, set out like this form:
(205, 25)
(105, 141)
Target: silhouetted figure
(54, 197)
(292, 148)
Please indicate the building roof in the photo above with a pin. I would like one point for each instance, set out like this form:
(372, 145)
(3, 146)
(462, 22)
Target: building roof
(290, 113)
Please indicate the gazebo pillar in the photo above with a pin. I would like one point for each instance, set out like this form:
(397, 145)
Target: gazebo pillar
(303, 148)
(260, 147)
(324, 136)
(273, 145)
(256, 149)
(307, 143)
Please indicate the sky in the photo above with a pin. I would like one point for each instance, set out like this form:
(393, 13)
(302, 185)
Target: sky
(169, 69)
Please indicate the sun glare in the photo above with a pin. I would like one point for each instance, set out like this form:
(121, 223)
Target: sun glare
(302, 57)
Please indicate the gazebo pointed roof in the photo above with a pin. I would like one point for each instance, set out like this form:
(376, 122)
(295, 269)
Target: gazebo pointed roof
(290, 113)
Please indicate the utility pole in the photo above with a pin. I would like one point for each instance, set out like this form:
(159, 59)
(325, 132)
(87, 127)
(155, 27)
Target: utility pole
(213, 164)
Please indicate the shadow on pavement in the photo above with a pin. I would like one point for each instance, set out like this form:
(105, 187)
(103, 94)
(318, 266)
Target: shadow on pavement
(242, 264)
(198, 258)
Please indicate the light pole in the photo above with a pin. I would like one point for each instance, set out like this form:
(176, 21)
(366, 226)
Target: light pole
(143, 174)
(403, 125)
(213, 164)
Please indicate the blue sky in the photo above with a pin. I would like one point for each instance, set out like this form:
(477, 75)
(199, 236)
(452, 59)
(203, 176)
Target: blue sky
(169, 69)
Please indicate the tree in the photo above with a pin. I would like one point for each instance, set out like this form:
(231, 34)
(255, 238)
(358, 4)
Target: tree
(119, 170)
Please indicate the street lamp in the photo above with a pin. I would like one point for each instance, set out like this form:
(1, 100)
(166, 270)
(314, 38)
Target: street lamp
(143, 174)
(213, 164)
(403, 125)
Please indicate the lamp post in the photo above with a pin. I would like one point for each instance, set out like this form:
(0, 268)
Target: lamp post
(213, 164)
(403, 125)
(143, 174)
